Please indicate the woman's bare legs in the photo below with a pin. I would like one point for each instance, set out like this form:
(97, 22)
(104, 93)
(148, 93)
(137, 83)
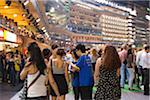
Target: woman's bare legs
(54, 98)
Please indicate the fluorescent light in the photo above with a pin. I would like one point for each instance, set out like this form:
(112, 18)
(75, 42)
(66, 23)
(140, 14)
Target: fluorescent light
(24, 15)
(43, 28)
(38, 20)
(5, 7)
(83, 6)
(15, 15)
(27, 1)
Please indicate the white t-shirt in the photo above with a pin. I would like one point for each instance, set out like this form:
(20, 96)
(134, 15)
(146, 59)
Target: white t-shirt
(138, 58)
(145, 59)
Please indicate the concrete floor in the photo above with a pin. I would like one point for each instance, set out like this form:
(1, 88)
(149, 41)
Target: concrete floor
(7, 91)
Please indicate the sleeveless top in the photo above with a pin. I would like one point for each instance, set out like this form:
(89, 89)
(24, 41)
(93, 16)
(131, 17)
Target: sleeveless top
(57, 70)
(38, 88)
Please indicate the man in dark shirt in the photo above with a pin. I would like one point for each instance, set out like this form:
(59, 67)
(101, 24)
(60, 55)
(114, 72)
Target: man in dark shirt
(2, 66)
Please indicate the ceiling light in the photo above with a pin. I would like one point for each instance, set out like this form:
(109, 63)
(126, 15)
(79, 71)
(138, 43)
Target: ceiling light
(5, 7)
(23, 15)
(43, 28)
(27, 1)
(52, 9)
(38, 20)
(15, 15)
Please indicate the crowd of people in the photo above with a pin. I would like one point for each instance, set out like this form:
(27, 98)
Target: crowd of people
(11, 65)
(50, 71)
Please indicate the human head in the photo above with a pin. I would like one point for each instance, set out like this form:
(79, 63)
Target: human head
(36, 56)
(74, 54)
(80, 49)
(147, 48)
(54, 49)
(61, 52)
(46, 53)
(124, 47)
(94, 52)
(111, 58)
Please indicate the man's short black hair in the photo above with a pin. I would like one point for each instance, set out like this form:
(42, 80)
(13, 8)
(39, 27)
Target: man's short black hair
(81, 47)
(146, 47)
(54, 46)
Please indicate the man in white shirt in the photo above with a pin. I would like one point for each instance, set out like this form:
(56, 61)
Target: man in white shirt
(145, 59)
(139, 65)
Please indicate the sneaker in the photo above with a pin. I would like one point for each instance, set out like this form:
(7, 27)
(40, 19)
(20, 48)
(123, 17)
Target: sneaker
(146, 94)
(131, 89)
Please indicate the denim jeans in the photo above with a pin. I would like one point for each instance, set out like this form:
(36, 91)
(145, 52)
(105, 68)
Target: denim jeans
(122, 74)
(131, 77)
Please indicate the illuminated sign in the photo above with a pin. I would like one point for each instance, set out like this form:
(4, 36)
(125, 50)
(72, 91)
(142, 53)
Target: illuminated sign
(1, 34)
(10, 36)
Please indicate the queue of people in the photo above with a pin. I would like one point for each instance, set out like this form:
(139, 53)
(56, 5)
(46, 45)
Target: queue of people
(48, 72)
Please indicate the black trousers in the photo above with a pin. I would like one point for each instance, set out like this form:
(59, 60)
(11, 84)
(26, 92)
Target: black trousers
(76, 93)
(140, 73)
(146, 81)
(84, 91)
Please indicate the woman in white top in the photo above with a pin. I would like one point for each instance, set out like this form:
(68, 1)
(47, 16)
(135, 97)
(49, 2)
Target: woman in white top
(36, 67)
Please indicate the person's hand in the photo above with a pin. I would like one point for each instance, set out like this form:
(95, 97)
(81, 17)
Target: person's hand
(96, 77)
(73, 69)
(68, 62)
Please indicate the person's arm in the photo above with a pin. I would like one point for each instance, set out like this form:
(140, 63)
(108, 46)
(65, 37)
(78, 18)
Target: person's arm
(97, 66)
(137, 59)
(24, 73)
(74, 67)
(78, 65)
(53, 83)
(66, 73)
(118, 72)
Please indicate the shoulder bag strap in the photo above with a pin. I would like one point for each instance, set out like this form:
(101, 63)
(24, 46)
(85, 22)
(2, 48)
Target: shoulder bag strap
(33, 81)
(51, 62)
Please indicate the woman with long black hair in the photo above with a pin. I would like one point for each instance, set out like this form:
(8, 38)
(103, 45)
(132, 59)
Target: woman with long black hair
(36, 74)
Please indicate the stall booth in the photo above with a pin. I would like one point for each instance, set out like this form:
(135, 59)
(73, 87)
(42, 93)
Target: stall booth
(9, 41)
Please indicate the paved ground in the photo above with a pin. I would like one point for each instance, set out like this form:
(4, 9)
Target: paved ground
(7, 91)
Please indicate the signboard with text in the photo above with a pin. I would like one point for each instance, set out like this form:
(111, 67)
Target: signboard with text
(8, 36)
